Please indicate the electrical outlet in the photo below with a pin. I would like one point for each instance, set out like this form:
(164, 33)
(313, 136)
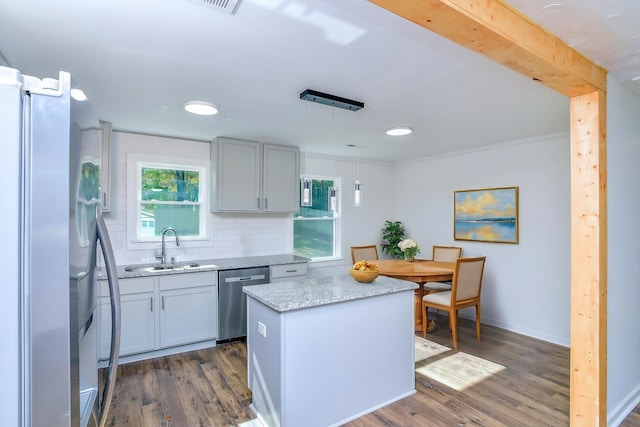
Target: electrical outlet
(262, 329)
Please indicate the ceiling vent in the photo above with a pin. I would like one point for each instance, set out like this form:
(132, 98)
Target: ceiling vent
(226, 6)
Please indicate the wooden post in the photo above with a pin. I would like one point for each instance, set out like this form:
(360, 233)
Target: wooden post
(500, 32)
(588, 260)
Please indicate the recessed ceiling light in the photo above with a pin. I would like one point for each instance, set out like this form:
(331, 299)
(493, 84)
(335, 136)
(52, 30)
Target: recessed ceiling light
(201, 108)
(399, 131)
(78, 95)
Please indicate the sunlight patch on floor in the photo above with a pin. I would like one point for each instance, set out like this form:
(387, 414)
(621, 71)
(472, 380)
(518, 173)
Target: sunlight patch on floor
(426, 349)
(460, 370)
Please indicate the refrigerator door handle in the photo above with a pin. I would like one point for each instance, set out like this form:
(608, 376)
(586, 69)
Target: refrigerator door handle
(114, 294)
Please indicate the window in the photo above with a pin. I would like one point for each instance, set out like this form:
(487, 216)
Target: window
(169, 195)
(316, 230)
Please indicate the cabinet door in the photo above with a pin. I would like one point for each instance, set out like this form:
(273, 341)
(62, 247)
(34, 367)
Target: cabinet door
(237, 170)
(137, 325)
(188, 315)
(281, 178)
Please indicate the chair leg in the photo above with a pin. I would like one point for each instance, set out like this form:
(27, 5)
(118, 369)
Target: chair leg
(453, 318)
(425, 319)
(478, 321)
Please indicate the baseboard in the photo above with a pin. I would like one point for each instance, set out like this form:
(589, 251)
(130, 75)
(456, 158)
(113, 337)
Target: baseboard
(618, 414)
(158, 353)
(531, 333)
(374, 408)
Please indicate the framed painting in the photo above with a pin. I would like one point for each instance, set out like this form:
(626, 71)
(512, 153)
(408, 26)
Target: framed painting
(486, 215)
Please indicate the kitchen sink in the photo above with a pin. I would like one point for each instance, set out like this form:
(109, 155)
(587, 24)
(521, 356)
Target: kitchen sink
(157, 268)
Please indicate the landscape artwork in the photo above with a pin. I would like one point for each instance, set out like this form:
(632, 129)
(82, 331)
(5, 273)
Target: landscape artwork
(486, 215)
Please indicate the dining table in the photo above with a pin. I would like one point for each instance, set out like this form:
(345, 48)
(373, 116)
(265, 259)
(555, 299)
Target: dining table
(419, 271)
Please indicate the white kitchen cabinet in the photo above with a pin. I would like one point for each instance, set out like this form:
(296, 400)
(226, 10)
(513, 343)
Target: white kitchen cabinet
(138, 320)
(188, 308)
(285, 272)
(250, 176)
(160, 312)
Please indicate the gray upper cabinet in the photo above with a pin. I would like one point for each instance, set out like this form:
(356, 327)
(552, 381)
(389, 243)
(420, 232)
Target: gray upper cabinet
(250, 176)
(280, 178)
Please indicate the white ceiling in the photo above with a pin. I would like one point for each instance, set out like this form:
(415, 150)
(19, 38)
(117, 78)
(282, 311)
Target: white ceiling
(140, 61)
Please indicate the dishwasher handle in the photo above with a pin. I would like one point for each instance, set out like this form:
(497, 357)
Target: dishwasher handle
(244, 278)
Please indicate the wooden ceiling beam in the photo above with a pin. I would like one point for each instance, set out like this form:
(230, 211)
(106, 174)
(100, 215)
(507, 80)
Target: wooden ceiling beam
(500, 32)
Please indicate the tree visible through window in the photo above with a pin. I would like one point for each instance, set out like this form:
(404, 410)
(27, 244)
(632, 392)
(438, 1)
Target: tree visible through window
(315, 228)
(169, 196)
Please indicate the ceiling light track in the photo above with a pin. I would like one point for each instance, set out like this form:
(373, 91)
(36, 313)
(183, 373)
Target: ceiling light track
(331, 100)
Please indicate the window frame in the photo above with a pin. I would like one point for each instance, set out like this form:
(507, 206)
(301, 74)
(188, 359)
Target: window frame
(337, 218)
(135, 163)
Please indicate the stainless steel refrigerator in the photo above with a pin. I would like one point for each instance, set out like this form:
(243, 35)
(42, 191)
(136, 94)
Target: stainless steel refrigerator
(52, 229)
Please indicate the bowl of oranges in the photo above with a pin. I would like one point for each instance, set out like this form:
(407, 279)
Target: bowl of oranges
(364, 272)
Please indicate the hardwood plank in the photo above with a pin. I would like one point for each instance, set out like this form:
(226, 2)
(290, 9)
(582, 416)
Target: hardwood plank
(167, 394)
(233, 358)
(230, 404)
(194, 391)
(126, 404)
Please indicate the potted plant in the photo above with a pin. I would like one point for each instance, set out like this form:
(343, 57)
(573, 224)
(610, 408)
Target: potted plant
(392, 234)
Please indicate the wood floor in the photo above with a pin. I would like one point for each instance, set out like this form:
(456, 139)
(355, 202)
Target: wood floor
(208, 388)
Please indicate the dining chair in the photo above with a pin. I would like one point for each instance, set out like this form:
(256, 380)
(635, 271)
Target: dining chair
(465, 292)
(444, 254)
(359, 253)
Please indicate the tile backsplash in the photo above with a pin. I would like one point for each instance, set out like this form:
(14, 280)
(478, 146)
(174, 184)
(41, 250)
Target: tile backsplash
(234, 235)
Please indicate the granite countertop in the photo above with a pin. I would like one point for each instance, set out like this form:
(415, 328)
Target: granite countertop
(205, 265)
(313, 292)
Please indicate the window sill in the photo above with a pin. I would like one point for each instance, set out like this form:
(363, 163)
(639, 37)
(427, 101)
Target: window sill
(184, 242)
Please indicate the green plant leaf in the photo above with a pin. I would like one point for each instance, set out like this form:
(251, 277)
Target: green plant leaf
(392, 234)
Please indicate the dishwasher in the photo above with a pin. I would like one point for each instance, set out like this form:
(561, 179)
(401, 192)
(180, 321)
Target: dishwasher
(232, 302)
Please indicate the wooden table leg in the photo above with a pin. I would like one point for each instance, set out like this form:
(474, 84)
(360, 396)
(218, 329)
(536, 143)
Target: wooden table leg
(417, 308)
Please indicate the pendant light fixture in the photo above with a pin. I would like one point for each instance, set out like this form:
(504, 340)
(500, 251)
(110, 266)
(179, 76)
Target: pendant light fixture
(337, 102)
(305, 197)
(333, 199)
(357, 188)
(306, 200)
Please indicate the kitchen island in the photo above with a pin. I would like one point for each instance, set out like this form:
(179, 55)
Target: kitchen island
(324, 351)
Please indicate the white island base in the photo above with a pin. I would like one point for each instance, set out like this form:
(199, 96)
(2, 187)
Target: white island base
(328, 364)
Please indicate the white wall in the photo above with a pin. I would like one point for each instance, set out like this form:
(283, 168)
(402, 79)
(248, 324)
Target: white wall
(623, 159)
(526, 288)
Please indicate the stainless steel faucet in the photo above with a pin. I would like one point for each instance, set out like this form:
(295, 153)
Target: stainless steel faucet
(162, 255)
